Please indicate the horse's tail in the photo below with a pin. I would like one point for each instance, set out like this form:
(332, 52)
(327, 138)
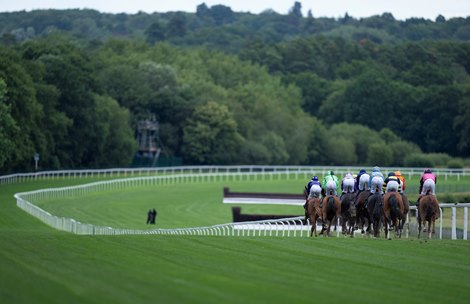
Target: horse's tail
(428, 191)
(331, 207)
(331, 202)
(428, 212)
(394, 212)
(378, 209)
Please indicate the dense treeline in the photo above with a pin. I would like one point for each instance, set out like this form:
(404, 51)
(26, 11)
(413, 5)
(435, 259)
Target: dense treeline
(300, 90)
(220, 27)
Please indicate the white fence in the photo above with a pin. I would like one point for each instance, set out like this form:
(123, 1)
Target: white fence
(131, 172)
(282, 227)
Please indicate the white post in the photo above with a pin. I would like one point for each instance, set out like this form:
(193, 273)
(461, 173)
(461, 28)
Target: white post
(407, 224)
(454, 223)
(465, 222)
(440, 224)
(338, 226)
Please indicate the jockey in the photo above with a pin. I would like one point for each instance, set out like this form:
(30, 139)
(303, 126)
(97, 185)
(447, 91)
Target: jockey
(392, 183)
(402, 179)
(330, 183)
(428, 182)
(314, 188)
(362, 181)
(376, 180)
(348, 184)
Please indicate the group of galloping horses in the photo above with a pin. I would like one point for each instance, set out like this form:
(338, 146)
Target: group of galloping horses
(370, 212)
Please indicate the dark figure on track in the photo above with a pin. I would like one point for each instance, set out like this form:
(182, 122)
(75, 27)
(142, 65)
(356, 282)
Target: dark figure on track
(151, 216)
(154, 216)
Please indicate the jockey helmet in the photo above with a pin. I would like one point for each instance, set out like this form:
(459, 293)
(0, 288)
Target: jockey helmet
(315, 178)
(398, 173)
(376, 169)
(348, 175)
(332, 173)
(362, 171)
(391, 174)
(428, 171)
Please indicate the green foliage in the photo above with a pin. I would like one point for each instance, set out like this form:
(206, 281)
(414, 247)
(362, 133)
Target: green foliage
(401, 150)
(341, 152)
(447, 197)
(455, 163)
(417, 160)
(461, 124)
(115, 142)
(155, 33)
(211, 136)
(289, 84)
(8, 128)
(439, 159)
(379, 154)
(24, 108)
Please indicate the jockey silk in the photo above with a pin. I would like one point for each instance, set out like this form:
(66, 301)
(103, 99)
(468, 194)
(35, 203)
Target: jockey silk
(429, 176)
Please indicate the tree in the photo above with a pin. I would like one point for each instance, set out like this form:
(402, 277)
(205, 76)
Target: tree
(155, 32)
(379, 154)
(20, 97)
(314, 90)
(211, 136)
(296, 10)
(114, 139)
(202, 10)
(461, 124)
(8, 128)
(70, 70)
(359, 136)
(176, 26)
(222, 14)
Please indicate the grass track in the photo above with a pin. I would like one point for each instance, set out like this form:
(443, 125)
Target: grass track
(41, 265)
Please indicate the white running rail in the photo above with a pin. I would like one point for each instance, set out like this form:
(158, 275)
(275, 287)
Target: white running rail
(279, 227)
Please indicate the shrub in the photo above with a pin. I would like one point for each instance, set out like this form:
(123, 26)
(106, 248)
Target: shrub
(455, 163)
(438, 159)
(446, 198)
(417, 160)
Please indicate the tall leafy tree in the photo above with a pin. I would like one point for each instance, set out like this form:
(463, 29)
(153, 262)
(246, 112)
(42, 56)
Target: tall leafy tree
(27, 112)
(8, 128)
(211, 136)
(461, 124)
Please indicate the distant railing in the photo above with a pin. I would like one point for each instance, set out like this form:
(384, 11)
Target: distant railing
(281, 227)
(131, 172)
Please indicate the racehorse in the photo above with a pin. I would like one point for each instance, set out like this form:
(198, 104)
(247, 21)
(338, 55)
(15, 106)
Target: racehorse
(393, 210)
(375, 211)
(331, 211)
(314, 211)
(348, 213)
(362, 213)
(429, 211)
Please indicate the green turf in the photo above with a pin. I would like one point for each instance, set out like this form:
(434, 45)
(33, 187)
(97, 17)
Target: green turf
(178, 206)
(41, 265)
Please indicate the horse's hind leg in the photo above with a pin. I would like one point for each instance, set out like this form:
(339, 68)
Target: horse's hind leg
(386, 227)
(419, 227)
(400, 227)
